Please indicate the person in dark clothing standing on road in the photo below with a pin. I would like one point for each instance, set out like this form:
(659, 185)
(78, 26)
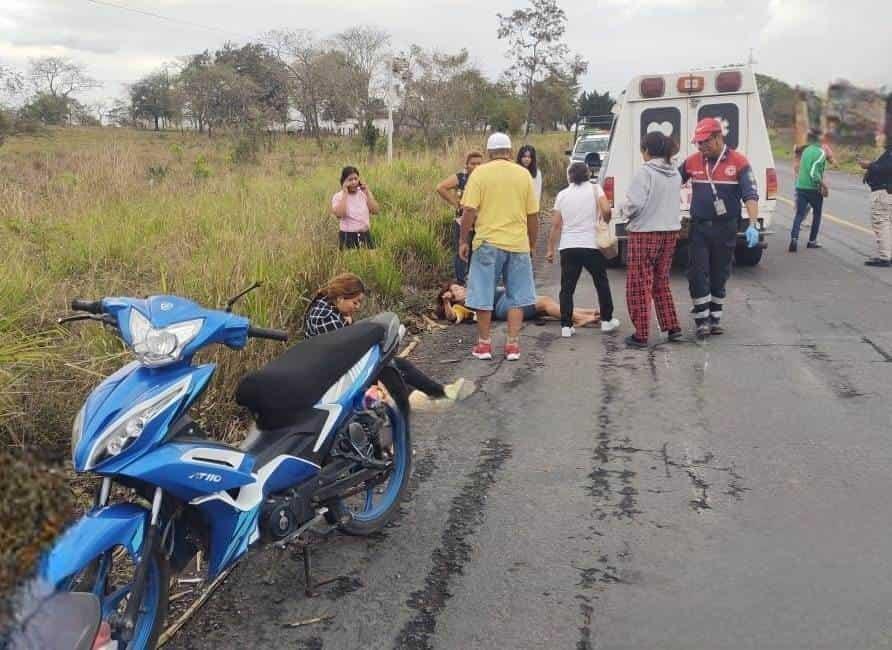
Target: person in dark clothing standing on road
(878, 175)
(721, 178)
(810, 190)
(576, 210)
(450, 190)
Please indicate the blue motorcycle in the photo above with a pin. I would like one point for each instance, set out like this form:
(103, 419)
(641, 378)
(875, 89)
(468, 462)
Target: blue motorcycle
(331, 447)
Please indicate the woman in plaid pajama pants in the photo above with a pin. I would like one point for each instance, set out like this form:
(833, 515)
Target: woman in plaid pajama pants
(652, 208)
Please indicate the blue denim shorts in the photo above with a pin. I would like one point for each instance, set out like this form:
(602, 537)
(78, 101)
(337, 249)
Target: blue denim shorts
(489, 265)
(500, 310)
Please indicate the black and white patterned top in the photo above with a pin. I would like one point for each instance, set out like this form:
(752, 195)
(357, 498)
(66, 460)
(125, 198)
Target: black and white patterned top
(322, 317)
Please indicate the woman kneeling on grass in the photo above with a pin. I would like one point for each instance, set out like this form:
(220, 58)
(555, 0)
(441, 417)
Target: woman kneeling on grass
(451, 306)
(652, 210)
(335, 306)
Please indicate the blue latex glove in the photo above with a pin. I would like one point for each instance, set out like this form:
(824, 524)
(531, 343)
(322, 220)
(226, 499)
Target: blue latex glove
(752, 236)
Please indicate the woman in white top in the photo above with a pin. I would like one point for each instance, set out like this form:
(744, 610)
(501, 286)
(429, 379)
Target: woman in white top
(526, 157)
(576, 210)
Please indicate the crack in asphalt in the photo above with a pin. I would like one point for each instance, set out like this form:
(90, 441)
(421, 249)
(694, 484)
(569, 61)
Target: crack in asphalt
(465, 517)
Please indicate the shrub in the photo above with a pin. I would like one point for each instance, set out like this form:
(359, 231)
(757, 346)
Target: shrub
(378, 271)
(157, 173)
(245, 151)
(201, 170)
(176, 150)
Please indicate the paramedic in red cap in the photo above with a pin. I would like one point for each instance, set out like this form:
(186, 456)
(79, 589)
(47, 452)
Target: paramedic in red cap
(721, 178)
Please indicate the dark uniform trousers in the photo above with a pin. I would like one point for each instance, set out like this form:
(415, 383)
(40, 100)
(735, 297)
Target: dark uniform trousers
(711, 250)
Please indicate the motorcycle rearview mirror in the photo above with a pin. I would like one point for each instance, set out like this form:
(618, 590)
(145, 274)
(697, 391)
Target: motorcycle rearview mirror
(239, 296)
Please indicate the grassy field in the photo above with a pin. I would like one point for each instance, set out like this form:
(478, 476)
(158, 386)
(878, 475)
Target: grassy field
(103, 212)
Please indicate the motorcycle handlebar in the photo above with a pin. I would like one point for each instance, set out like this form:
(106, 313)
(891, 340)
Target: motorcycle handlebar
(266, 333)
(89, 306)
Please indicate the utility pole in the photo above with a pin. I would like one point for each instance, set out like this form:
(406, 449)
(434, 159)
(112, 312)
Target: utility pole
(389, 97)
(395, 65)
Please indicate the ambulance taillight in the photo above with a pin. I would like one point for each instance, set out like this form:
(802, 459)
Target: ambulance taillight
(607, 186)
(770, 183)
(652, 87)
(729, 81)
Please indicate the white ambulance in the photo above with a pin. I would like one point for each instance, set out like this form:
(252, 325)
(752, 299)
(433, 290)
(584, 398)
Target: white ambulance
(673, 104)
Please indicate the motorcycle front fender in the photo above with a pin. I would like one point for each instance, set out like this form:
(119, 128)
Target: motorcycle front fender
(101, 529)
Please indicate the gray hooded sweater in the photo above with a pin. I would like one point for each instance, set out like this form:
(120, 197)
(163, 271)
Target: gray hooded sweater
(653, 201)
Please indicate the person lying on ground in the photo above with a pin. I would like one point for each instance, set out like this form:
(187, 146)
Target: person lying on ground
(452, 298)
(336, 304)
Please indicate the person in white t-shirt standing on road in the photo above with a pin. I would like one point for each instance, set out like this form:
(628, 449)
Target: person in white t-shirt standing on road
(576, 210)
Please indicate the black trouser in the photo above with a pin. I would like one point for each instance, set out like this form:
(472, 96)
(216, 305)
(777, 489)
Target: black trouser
(711, 250)
(459, 266)
(804, 199)
(417, 379)
(573, 260)
(355, 240)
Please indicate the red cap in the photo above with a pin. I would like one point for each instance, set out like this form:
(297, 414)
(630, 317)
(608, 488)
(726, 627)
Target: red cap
(705, 128)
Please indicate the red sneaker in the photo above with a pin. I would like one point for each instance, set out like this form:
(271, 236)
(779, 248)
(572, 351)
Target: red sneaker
(512, 351)
(482, 351)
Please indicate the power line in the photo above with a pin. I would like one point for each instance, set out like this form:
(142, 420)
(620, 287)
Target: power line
(142, 12)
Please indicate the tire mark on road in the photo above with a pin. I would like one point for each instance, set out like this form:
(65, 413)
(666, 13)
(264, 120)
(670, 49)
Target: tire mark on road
(449, 559)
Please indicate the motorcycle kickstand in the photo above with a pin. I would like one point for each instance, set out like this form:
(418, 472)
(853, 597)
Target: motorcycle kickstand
(308, 577)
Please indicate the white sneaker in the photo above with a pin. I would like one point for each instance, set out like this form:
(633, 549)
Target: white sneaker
(609, 325)
(567, 332)
(459, 389)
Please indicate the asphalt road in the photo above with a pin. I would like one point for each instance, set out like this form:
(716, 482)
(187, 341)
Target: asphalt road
(729, 495)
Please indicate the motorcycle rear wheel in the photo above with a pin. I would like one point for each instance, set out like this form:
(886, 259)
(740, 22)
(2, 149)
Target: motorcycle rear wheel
(373, 508)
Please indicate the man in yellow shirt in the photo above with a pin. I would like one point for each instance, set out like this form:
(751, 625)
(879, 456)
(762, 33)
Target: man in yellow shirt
(500, 205)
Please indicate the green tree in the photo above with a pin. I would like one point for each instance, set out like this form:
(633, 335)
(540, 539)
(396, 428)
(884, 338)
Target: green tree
(153, 98)
(48, 109)
(257, 63)
(535, 46)
(595, 103)
(778, 101)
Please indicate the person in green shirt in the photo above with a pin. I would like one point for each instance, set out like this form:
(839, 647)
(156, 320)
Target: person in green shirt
(810, 190)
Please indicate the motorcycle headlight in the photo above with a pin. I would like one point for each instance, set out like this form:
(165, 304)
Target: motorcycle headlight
(77, 429)
(158, 347)
(124, 431)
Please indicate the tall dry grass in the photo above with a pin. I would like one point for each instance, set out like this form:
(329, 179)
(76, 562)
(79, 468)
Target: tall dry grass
(103, 212)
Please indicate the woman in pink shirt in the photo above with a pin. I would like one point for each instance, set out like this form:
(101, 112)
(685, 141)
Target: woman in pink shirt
(353, 206)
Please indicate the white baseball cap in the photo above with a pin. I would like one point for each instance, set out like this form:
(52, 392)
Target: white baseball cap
(498, 141)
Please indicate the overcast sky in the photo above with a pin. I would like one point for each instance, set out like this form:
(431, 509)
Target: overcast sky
(808, 42)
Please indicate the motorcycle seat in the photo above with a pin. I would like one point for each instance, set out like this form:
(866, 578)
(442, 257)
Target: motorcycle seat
(279, 393)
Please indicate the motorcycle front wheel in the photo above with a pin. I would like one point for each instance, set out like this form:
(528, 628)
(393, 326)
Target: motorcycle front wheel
(110, 578)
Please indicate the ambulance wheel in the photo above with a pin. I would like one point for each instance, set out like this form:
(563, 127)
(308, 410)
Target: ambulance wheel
(748, 256)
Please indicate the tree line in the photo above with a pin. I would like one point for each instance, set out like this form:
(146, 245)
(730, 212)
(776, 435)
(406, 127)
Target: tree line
(291, 80)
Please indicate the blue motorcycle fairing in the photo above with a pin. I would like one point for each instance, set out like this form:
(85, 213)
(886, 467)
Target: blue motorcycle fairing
(232, 520)
(122, 392)
(162, 311)
(101, 529)
(231, 533)
(192, 470)
(346, 395)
